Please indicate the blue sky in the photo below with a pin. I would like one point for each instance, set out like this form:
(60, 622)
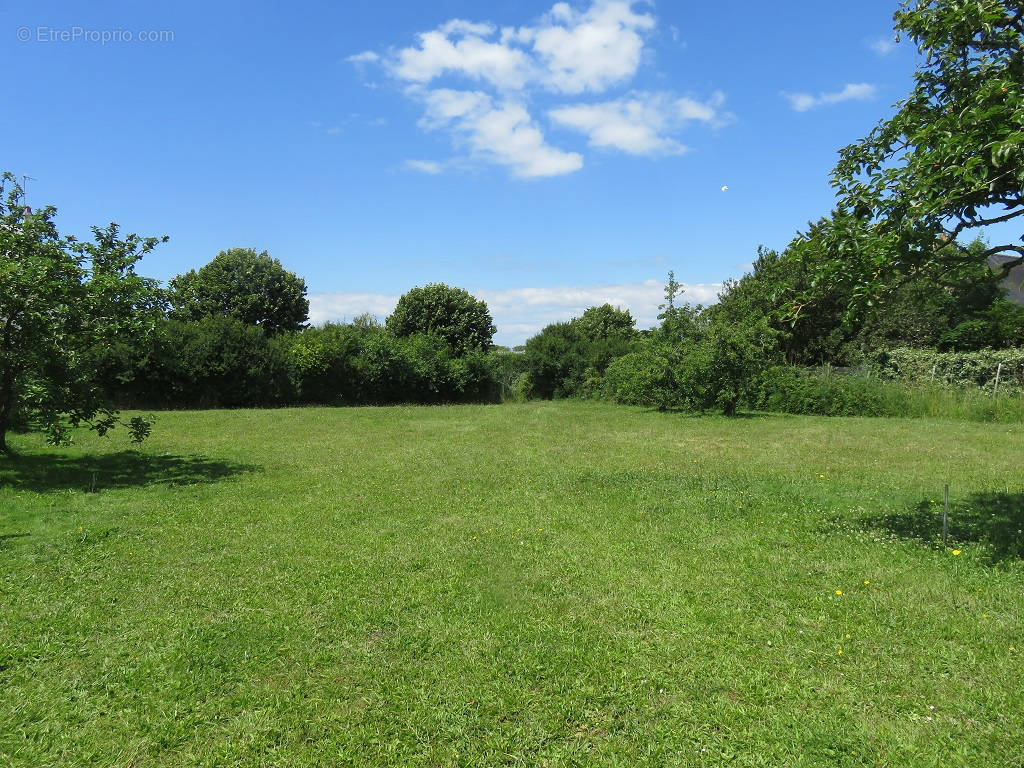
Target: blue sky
(544, 156)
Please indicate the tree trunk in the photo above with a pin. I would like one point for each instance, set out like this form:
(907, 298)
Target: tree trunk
(6, 409)
(5, 424)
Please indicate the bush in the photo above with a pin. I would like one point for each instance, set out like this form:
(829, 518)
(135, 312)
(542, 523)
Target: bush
(640, 378)
(725, 364)
(221, 362)
(569, 359)
(324, 364)
(508, 369)
(553, 358)
(216, 362)
(368, 365)
(714, 367)
(785, 389)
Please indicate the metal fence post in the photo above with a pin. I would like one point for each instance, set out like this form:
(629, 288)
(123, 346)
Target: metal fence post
(945, 516)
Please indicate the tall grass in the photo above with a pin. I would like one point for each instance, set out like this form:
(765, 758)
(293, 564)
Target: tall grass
(963, 403)
(793, 390)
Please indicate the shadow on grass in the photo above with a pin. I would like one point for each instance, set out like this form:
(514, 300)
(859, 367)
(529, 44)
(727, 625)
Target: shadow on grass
(47, 472)
(690, 413)
(993, 519)
(5, 537)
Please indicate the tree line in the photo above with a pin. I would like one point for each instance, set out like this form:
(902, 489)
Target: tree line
(892, 265)
(82, 335)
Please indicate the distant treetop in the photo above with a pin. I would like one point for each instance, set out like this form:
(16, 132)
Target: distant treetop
(453, 314)
(244, 284)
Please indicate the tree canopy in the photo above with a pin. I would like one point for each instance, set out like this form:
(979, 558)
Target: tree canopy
(246, 285)
(950, 160)
(452, 314)
(605, 322)
(59, 300)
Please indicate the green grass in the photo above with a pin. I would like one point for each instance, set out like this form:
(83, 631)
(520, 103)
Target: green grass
(539, 584)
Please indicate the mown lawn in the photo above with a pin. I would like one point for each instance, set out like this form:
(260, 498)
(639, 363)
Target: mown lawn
(540, 584)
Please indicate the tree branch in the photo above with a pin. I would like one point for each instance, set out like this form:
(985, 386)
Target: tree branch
(1007, 267)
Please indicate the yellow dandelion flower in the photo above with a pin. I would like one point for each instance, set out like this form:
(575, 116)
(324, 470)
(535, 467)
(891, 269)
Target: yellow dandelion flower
(840, 652)
(839, 591)
(866, 582)
(956, 551)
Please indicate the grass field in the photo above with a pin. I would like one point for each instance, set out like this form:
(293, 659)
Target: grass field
(539, 585)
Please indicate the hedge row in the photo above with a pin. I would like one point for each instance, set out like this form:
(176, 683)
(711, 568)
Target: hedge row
(222, 363)
(961, 369)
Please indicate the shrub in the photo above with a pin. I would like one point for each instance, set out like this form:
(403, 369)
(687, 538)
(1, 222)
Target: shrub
(508, 370)
(324, 363)
(569, 359)
(421, 368)
(640, 378)
(785, 389)
(216, 362)
(522, 390)
(718, 369)
(552, 358)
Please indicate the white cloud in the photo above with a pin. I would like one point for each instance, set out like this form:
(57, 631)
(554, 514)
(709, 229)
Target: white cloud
(883, 46)
(547, 305)
(521, 312)
(637, 124)
(424, 166)
(445, 105)
(463, 27)
(467, 54)
(508, 136)
(500, 133)
(338, 307)
(589, 50)
(567, 51)
(801, 102)
(366, 57)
